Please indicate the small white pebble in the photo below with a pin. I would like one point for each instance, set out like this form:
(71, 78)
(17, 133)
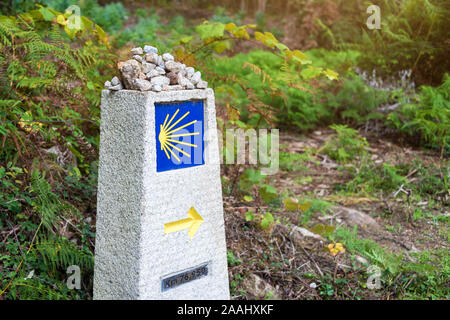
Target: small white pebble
(168, 57)
(137, 50)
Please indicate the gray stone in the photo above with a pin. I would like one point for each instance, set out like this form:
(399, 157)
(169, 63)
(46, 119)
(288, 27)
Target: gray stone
(137, 58)
(115, 81)
(173, 66)
(129, 70)
(156, 72)
(160, 70)
(142, 85)
(132, 253)
(172, 88)
(182, 81)
(152, 74)
(298, 233)
(259, 289)
(355, 217)
(167, 57)
(137, 51)
(116, 87)
(107, 84)
(361, 260)
(150, 49)
(202, 84)
(189, 85)
(173, 77)
(147, 67)
(190, 72)
(196, 77)
(157, 88)
(152, 58)
(160, 80)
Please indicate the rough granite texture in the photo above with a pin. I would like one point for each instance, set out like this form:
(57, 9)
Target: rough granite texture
(132, 253)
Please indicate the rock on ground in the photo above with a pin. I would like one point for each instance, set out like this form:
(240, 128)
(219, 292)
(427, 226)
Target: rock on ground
(352, 217)
(258, 289)
(299, 232)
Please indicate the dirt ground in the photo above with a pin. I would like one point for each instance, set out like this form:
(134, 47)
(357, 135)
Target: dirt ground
(283, 263)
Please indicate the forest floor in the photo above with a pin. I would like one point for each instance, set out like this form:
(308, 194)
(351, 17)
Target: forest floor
(286, 261)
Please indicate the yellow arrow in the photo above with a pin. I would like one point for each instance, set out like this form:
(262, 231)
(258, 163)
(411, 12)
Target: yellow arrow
(193, 223)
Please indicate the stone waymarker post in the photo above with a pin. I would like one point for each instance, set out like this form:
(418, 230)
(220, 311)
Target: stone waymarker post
(160, 227)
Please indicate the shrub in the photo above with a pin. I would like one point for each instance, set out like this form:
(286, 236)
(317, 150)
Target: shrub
(51, 77)
(428, 116)
(345, 145)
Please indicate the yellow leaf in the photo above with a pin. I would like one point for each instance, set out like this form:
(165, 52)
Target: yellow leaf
(281, 47)
(61, 20)
(230, 26)
(332, 75)
(270, 36)
(291, 204)
(233, 113)
(267, 38)
(304, 206)
(101, 35)
(70, 32)
(221, 46)
(259, 36)
(300, 57)
(86, 23)
(241, 33)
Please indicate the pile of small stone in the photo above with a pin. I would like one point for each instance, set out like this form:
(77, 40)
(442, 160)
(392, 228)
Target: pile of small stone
(148, 71)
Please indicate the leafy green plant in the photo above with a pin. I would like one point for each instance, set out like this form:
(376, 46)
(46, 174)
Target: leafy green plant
(250, 178)
(267, 220)
(144, 30)
(412, 279)
(371, 178)
(48, 254)
(232, 260)
(269, 98)
(221, 15)
(110, 17)
(293, 161)
(268, 193)
(50, 68)
(345, 145)
(310, 206)
(428, 116)
(410, 37)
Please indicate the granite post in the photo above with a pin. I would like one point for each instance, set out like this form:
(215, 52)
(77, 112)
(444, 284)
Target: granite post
(160, 227)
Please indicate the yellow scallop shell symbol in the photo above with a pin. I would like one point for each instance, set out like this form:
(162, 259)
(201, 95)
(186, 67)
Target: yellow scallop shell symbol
(167, 134)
